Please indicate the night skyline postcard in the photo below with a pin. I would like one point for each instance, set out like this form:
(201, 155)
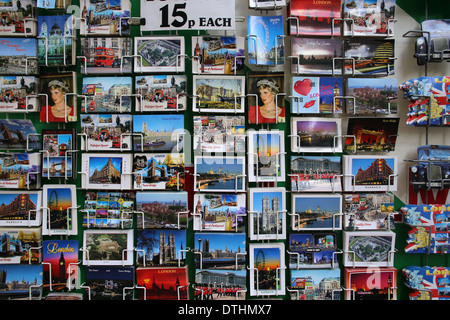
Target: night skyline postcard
(316, 56)
(266, 258)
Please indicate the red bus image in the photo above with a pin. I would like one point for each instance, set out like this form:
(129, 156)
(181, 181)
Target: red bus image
(104, 57)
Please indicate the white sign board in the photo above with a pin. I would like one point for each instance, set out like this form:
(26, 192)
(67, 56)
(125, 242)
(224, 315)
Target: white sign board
(188, 15)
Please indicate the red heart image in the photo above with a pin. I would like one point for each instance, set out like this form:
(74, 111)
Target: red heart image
(303, 87)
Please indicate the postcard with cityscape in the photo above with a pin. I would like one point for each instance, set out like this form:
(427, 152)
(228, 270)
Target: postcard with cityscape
(20, 208)
(20, 170)
(60, 209)
(105, 55)
(18, 56)
(18, 134)
(266, 275)
(18, 94)
(18, 18)
(316, 173)
(218, 94)
(58, 156)
(159, 54)
(317, 95)
(110, 283)
(218, 55)
(220, 284)
(317, 284)
(216, 250)
(163, 283)
(312, 250)
(158, 171)
(105, 132)
(267, 213)
(219, 212)
(161, 247)
(105, 17)
(372, 95)
(106, 94)
(316, 212)
(53, 4)
(24, 245)
(161, 93)
(361, 286)
(21, 280)
(219, 174)
(266, 40)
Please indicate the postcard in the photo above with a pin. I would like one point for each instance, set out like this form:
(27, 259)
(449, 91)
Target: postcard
(218, 55)
(106, 94)
(106, 171)
(428, 283)
(159, 54)
(103, 209)
(18, 56)
(20, 209)
(59, 156)
(372, 96)
(219, 174)
(316, 174)
(316, 212)
(216, 133)
(64, 296)
(312, 250)
(266, 269)
(266, 160)
(316, 284)
(53, 4)
(168, 210)
(370, 283)
(20, 170)
(161, 93)
(158, 171)
(59, 209)
(19, 94)
(316, 56)
(18, 134)
(106, 132)
(317, 95)
(267, 213)
(220, 284)
(58, 101)
(268, 103)
(266, 40)
(105, 17)
(18, 18)
(218, 94)
(163, 283)
(219, 212)
(312, 134)
(21, 245)
(110, 283)
(161, 248)
(368, 211)
(30, 278)
(370, 173)
(266, 4)
(218, 250)
(56, 40)
(158, 132)
(368, 248)
(108, 247)
(60, 259)
(371, 134)
(105, 55)
(314, 18)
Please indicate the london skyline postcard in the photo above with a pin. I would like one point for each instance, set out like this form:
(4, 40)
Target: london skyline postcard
(60, 210)
(18, 56)
(105, 17)
(163, 283)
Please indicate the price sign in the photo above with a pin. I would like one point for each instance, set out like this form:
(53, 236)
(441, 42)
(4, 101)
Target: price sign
(188, 15)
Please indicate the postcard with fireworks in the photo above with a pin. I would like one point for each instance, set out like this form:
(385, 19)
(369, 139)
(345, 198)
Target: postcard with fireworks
(316, 284)
(105, 209)
(158, 171)
(266, 156)
(316, 56)
(59, 153)
(316, 174)
(312, 250)
(110, 283)
(21, 245)
(20, 209)
(317, 95)
(314, 18)
(266, 269)
(218, 94)
(266, 40)
(20, 170)
(220, 284)
(370, 283)
(316, 134)
(219, 212)
(18, 56)
(216, 250)
(316, 212)
(105, 17)
(219, 174)
(168, 210)
(163, 283)
(371, 134)
(18, 134)
(19, 94)
(18, 18)
(59, 209)
(30, 278)
(161, 93)
(60, 259)
(105, 55)
(106, 94)
(159, 54)
(106, 132)
(106, 171)
(267, 213)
